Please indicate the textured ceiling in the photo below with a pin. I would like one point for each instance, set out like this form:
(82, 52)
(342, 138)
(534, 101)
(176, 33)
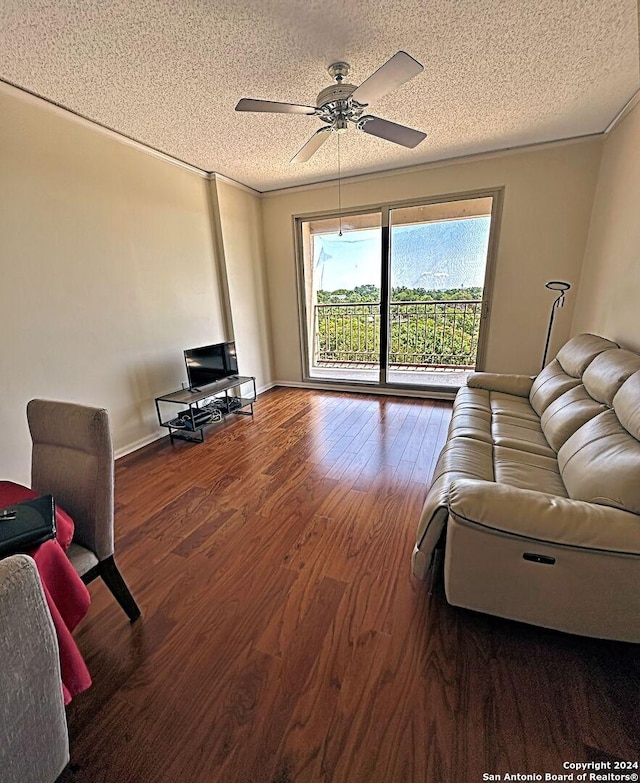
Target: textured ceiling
(498, 73)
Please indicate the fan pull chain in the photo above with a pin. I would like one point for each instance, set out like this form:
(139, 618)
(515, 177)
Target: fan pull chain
(339, 189)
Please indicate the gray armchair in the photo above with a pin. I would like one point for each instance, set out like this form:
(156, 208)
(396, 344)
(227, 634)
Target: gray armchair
(34, 744)
(72, 459)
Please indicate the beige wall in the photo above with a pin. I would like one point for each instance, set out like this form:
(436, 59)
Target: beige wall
(108, 273)
(240, 221)
(547, 203)
(610, 286)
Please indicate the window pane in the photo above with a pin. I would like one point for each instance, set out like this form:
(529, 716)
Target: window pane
(342, 288)
(438, 265)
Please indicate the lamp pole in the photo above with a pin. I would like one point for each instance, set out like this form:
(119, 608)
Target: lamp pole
(554, 285)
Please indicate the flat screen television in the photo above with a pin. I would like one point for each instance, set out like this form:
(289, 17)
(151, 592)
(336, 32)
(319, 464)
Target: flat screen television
(210, 363)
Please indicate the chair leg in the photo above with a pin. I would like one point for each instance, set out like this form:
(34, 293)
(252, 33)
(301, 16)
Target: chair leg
(114, 581)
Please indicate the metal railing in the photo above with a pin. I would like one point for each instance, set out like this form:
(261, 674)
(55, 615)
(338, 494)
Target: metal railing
(436, 334)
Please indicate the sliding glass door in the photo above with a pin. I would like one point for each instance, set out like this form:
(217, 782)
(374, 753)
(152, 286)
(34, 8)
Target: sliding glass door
(396, 296)
(342, 271)
(438, 266)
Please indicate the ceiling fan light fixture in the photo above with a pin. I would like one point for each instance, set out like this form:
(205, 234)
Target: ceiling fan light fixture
(340, 126)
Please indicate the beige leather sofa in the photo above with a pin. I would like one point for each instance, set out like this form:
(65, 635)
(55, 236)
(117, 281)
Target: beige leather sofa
(536, 494)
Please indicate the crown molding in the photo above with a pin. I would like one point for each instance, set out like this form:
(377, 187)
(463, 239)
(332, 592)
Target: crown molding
(15, 91)
(215, 177)
(629, 106)
(435, 164)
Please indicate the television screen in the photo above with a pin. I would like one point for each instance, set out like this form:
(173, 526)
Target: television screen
(210, 363)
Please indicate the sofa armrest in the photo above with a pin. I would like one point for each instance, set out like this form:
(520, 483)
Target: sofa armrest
(34, 745)
(519, 385)
(545, 518)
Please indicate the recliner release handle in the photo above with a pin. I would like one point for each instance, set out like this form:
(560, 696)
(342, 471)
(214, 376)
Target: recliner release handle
(534, 558)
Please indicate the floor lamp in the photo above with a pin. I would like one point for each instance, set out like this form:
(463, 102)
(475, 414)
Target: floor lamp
(554, 285)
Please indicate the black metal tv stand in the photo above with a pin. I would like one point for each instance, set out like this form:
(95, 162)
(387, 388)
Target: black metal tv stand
(207, 405)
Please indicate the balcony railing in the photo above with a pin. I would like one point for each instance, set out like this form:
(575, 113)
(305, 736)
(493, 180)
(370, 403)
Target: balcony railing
(434, 334)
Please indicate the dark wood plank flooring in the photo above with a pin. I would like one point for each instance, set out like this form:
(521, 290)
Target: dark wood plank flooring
(283, 638)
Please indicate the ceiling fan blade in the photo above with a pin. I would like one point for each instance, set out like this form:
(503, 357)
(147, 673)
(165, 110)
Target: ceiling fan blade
(391, 131)
(253, 104)
(396, 71)
(312, 146)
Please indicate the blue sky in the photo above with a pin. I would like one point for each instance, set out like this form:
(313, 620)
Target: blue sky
(448, 254)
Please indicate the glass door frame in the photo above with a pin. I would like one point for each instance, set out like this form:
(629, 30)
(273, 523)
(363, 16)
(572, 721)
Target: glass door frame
(497, 196)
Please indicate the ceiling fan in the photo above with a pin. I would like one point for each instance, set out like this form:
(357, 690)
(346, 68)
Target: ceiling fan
(342, 103)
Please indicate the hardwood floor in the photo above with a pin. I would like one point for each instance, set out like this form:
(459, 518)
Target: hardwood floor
(283, 638)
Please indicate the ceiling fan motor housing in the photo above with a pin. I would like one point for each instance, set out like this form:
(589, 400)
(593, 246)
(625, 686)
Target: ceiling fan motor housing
(333, 93)
(336, 106)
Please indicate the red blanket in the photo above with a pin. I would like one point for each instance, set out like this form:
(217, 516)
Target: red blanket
(67, 597)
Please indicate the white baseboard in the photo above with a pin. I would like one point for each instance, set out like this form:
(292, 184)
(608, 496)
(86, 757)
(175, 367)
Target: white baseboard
(138, 444)
(267, 386)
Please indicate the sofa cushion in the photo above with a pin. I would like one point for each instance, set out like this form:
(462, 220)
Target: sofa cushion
(626, 404)
(510, 405)
(465, 457)
(520, 434)
(516, 421)
(477, 399)
(567, 414)
(528, 471)
(471, 423)
(577, 354)
(607, 372)
(510, 422)
(549, 385)
(600, 462)
(566, 370)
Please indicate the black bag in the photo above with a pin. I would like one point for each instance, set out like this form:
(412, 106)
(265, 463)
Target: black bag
(25, 525)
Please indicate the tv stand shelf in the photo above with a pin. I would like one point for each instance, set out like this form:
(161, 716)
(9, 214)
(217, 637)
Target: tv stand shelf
(206, 405)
